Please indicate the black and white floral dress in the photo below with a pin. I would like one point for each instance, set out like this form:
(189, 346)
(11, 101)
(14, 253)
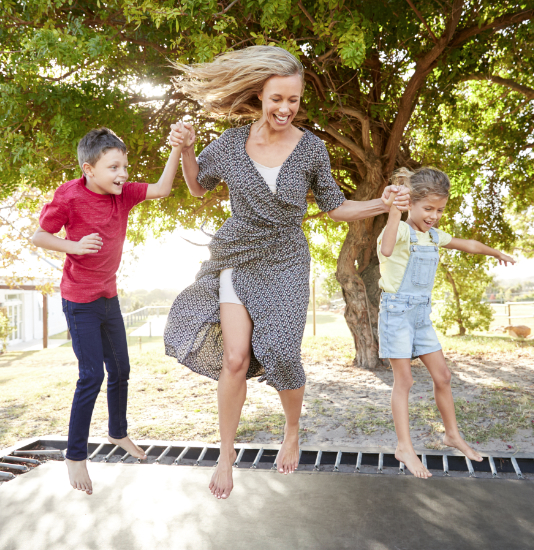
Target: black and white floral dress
(263, 241)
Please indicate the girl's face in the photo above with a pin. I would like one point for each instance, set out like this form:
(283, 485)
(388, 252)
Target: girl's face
(281, 100)
(426, 213)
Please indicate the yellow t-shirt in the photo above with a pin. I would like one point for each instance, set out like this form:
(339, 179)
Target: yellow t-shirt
(392, 269)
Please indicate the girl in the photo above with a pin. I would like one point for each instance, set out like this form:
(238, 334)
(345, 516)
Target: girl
(245, 314)
(409, 256)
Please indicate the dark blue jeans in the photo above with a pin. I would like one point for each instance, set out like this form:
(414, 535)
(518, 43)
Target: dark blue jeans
(98, 337)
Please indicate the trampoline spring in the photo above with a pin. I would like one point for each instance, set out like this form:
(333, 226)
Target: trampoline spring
(516, 467)
(358, 462)
(423, 460)
(470, 467)
(180, 456)
(445, 466)
(6, 475)
(51, 452)
(257, 459)
(402, 468)
(163, 454)
(201, 456)
(95, 452)
(380, 463)
(110, 454)
(492, 466)
(124, 457)
(318, 460)
(20, 460)
(338, 460)
(147, 452)
(239, 457)
(18, 467)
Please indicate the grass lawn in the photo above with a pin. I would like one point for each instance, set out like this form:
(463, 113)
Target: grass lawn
(493, 384)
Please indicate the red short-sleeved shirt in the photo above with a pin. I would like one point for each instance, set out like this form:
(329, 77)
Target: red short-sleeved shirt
(82, 212)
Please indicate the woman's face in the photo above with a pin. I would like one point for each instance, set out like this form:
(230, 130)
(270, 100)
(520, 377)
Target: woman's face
(280, 100)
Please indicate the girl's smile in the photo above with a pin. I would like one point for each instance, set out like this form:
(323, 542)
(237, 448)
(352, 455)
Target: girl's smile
(426, 213)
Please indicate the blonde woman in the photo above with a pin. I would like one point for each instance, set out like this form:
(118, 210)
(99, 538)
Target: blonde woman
(244, 316)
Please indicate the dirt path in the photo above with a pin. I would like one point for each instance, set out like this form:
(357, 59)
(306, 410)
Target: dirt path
(494, 393)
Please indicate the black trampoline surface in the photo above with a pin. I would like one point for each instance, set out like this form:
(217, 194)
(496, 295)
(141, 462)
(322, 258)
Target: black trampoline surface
(157, 507)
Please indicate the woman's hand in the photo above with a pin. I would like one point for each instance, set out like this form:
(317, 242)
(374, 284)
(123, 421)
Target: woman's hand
(401, 197)
(503, 258)
(182, 134)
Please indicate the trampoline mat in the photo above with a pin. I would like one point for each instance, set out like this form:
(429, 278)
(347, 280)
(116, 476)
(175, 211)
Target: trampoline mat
(139, 507)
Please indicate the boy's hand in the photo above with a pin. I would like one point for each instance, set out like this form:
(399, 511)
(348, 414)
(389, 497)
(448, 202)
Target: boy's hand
(90, 244)
(397, 196)
(503, 258)
(182, 133)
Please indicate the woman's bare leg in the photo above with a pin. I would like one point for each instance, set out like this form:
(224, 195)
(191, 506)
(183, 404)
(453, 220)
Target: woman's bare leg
(288, 456)
(236, 328)
(441, 376)
(403, 381)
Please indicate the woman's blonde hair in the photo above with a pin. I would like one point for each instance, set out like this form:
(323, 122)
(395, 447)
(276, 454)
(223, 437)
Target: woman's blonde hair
(229, 85)
(422, 182)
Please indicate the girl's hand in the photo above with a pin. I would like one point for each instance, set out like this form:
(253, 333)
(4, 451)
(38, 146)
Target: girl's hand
(401, 197)
(177, 135)
(503, 258)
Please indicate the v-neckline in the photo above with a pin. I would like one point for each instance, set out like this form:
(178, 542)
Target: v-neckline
(247, 134)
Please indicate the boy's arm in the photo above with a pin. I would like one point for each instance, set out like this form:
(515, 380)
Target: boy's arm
(90, 244)
(164, 186)
(476, 247)
(389, 238)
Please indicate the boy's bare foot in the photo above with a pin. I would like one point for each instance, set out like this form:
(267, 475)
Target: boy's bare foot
(287, 459)
(458, 443)
(412, 462)
(221, 483)
(129, 446)
(79, 476)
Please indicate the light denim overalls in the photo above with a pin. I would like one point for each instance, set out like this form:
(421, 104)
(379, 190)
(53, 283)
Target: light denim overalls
(404, 324)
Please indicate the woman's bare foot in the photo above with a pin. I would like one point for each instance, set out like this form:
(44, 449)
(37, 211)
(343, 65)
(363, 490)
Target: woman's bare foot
(412, 462)
(129, 446)
(287, 459)
(222, 483)
(458, 443)
(79, 476)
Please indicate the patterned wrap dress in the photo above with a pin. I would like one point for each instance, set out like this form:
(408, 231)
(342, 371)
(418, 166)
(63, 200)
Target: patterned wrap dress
(264, 242)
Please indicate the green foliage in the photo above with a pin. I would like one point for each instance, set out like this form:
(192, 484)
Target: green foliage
(5, 329)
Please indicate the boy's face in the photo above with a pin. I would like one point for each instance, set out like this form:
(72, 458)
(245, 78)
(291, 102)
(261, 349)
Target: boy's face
(426, 213)
(109, 173)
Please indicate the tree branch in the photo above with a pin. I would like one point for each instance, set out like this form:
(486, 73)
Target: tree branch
(306, 12)
(422, 19)
(344, 141)
(508, 82)
(230, 6)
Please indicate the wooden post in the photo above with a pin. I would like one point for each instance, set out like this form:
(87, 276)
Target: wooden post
(509, 314)
(313, 302)
(45, 320)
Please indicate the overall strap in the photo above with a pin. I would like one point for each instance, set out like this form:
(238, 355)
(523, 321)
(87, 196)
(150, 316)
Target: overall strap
(434, 236)
(413, 236)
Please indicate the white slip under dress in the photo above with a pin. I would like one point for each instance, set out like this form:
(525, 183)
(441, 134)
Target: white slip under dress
(227, 293)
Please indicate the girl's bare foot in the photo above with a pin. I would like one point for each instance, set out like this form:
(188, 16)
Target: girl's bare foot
(221, 483)
(129, 446)
(287, 459)
(412, 462)
(458, 443)
(79, 476)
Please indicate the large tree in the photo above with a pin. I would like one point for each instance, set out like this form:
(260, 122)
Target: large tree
(390, 83)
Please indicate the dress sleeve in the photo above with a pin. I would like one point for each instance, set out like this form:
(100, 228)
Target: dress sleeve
(133, 193)
(55, 215)
(444, 238)
(328, 195)
(210, 162)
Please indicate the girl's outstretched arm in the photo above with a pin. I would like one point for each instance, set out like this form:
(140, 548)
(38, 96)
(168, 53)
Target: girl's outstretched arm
(475, 247)
(190, 167)
(389, 238)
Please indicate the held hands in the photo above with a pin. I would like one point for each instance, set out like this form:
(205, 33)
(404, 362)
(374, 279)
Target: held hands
(396, 196)
(503, 258)
(90, 244)
(182, 133)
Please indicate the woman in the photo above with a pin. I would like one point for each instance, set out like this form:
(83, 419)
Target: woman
(245, 314)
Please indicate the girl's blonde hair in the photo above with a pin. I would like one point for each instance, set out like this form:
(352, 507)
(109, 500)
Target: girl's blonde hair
(422, 182)
(229, 85)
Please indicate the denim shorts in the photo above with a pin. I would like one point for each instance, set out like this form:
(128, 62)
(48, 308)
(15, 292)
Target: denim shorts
(404, 327)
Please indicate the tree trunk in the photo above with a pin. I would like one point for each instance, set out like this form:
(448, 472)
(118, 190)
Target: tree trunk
(460, 317)
(358, 274)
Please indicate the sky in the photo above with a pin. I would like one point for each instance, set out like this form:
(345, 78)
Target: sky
(172, 263)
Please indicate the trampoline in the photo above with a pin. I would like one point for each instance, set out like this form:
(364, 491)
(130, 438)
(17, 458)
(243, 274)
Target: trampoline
(338, 498)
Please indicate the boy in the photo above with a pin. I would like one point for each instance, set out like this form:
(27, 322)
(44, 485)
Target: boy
(94, 211)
